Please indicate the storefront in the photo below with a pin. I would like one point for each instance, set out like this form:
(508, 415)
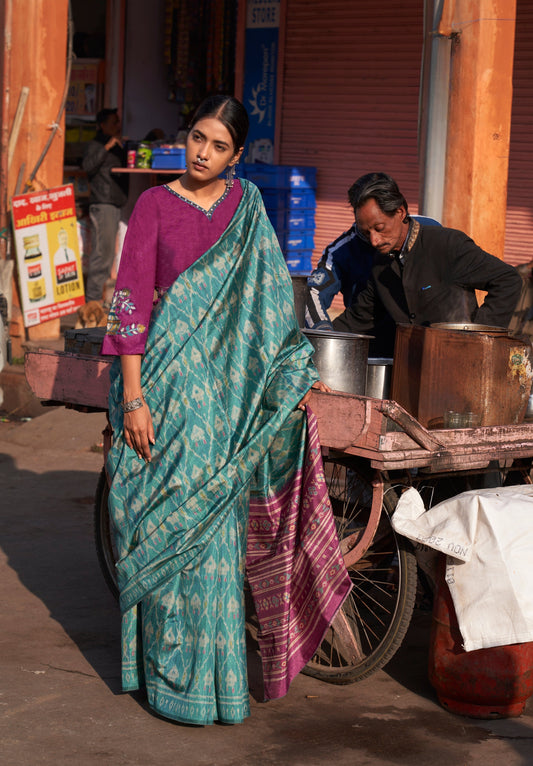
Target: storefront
(347, 93)
(348, 89)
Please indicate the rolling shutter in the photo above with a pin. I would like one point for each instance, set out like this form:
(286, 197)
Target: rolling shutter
(519, 224)
(350, 99)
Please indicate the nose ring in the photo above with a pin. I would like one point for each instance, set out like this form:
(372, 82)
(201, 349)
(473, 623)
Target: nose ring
(199, 159)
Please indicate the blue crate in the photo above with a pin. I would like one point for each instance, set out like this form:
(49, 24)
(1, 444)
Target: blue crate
(280, 176)
(300, 219)
(275, 199)
(268, 176)
(168, 158)
(278, 218)
(303, 177)
(299, 261)
(297, 240)
(304, 199)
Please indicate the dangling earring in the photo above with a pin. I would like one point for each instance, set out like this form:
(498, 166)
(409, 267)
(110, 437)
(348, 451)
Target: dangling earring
(230, 175)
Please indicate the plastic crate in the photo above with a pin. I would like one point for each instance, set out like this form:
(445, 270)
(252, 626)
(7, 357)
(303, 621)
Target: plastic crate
(299, 261)
(168, 158)
(297, 240)
(301, 219)
(275, 199)
(278, 218)
(305, 199)
(268, 176)
(280, 176)
(303, 178)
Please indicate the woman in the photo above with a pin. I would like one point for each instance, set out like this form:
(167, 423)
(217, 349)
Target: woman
(207, 439)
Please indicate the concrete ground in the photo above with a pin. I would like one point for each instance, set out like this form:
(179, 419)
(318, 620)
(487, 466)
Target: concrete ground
(60, 697)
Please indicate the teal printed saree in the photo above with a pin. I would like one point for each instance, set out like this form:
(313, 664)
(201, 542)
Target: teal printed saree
(224, 369)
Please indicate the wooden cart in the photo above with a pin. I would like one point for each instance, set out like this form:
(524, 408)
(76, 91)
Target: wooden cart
(373, 449)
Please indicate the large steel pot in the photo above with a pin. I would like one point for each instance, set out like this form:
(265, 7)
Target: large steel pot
(378, 377)
(341, 359)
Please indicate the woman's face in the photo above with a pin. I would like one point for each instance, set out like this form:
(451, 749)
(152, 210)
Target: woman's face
(209, 150)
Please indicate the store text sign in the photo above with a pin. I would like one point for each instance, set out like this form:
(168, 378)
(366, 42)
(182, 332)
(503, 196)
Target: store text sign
(48, 258)
(260, 78)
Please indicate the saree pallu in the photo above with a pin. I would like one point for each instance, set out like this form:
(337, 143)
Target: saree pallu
(224, 368)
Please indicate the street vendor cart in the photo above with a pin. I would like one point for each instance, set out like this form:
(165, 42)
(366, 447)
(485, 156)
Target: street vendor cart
(373, 449)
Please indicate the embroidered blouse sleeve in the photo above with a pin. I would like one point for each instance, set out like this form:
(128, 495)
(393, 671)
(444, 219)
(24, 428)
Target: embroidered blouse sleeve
(131, 307)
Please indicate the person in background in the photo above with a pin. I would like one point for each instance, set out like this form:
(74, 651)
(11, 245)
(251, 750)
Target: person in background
(345, 268)
(420, 274)
(108, 194)
(210, 440)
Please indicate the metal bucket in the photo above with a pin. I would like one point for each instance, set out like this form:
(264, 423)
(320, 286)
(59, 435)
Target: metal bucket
(299, 288)
(378, 377)
(341, 359)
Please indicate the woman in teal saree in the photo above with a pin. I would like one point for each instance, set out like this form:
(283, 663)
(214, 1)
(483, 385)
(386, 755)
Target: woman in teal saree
(214, 470)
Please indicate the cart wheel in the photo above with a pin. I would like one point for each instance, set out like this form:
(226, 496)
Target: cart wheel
(105, 549)
(373, 620)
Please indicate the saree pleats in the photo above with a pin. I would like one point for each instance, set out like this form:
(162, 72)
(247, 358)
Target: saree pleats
(224, 368)
(295, 569)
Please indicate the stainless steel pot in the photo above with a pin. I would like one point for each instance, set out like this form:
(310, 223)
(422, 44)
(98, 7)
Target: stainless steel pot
(341, 359)
(378, 377)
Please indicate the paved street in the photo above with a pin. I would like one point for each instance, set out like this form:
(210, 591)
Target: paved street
(60, 698)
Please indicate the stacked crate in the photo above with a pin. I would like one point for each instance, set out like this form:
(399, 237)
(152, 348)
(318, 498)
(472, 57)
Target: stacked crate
(290, 201)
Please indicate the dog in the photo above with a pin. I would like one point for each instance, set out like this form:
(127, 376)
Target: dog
(91, 314)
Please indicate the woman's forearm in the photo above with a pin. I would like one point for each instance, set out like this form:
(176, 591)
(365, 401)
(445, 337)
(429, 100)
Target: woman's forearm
(131, 375)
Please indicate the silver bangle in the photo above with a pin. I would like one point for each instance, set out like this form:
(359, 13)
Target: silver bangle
(134, 404)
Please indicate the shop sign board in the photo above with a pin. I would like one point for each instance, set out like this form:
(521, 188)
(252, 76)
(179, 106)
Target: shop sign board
(48, 258)
(260, 78)
(84, 93)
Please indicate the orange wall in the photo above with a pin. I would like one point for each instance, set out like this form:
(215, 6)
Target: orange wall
(38, 61)
(34, 56)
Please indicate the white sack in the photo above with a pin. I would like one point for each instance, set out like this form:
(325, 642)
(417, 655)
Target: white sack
(487, 536)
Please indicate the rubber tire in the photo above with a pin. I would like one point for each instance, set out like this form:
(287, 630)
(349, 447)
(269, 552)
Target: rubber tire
(102, 534)
(380, 654)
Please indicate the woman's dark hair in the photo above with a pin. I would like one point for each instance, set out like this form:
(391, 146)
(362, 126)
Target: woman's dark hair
(379, 187)
(231, 114)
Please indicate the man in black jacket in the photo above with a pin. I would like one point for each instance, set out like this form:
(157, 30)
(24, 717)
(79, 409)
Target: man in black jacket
(108, 193)
(421, 274)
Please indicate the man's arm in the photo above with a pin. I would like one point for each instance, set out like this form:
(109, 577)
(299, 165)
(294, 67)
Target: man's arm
(473, 267)
(93, 158)
(322, 286)
(360, 316)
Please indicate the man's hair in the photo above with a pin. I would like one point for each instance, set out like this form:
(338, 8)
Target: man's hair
(104, 114)
(379, 187)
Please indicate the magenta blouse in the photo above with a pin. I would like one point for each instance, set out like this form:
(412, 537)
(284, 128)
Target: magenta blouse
(166, 234)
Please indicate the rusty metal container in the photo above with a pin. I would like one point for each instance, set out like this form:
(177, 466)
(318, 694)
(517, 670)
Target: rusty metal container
(479, 370)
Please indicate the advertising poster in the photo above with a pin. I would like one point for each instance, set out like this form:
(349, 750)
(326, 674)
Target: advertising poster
(48, 258)
(260, 79)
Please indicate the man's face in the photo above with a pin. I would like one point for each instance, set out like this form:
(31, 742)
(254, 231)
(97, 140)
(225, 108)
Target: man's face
(384, 232)
(111, 126)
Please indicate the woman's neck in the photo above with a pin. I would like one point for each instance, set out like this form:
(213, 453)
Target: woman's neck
(203, 194)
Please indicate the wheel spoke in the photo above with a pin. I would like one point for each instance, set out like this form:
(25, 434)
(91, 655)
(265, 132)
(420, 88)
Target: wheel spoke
(373, 623)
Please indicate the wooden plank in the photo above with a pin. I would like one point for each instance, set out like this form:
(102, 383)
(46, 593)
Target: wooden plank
(346, 419)
(68, 378)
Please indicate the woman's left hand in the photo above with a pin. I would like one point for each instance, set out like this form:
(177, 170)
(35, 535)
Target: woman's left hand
(318, 386)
